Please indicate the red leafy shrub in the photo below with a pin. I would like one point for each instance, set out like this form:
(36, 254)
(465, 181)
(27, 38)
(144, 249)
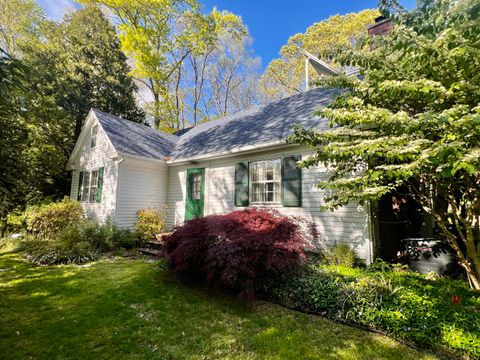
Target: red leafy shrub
(236, 251)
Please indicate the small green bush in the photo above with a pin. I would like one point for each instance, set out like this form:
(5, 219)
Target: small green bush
(107, 237)
(78, 243)
(150, 222)
(341, 254)
(15, 222)
(48, 252)
(47, 221)
(404, 304)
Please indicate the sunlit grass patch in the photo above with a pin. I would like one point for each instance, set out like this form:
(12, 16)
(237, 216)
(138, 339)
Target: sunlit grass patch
(132, 309)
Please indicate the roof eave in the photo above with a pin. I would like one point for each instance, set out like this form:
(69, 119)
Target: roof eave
(231, 152)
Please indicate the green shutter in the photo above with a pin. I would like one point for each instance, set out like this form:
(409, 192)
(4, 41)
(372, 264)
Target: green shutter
(99, 185)
(291, 181)
(80, 186)
(241, 184)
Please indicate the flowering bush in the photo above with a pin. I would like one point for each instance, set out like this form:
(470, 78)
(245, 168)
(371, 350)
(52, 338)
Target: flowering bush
(237, 250)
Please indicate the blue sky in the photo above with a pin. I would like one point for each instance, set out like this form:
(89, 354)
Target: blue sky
(271, 22)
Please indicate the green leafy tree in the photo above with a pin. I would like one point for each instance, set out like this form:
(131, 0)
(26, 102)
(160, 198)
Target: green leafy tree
(13, 136)
(148, 34)
(75, 65)
(413, 121)
(19, 20)
(285, 76)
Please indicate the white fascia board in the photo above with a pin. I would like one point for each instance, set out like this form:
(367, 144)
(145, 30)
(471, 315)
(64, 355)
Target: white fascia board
(244, 149)
(137, 157)
(320, 66)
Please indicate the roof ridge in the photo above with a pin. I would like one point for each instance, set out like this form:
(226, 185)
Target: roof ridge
(160, 132)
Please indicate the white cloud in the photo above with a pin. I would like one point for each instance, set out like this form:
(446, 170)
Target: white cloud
(55, 9)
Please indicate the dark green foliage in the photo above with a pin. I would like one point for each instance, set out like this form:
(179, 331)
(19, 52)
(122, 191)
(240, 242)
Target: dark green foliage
(106, 237)
(75, 64)
(13, 136)
(401, 303)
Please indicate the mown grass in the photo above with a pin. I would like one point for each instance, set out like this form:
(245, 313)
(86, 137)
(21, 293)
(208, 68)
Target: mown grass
(124, 308)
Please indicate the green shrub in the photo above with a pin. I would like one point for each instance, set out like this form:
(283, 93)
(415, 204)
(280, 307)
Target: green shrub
(78, 243)
(404, 304)
(15, 222)
(107, 237)
(341, 254)
(150, 222)
(48, 252)
(47, 221)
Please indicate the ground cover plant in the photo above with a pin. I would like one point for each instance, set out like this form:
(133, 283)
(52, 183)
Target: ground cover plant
(235, 251)
(431, 311)
(122, 309)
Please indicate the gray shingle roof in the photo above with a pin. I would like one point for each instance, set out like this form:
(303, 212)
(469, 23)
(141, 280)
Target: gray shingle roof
(136, 139)
(272, 122)
(258, 125)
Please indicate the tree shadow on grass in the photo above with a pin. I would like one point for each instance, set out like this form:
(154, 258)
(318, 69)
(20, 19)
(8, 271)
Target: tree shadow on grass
(131, 309)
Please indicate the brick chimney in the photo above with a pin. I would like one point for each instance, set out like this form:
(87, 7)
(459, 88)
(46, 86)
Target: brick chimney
(382, 26)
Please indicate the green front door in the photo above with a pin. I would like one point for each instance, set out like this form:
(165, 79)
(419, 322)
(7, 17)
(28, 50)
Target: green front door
(194, 199)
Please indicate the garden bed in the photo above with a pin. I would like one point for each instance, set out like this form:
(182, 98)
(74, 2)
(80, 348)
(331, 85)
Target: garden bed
(437, 313)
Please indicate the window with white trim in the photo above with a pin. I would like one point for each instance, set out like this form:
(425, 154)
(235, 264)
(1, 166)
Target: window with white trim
(265, 181)
(86, 186)
(93, 136)
(93, 186)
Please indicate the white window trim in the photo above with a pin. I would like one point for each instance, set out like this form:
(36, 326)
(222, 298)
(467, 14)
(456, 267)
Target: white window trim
(91, 188)
(85, 187)
(279, 181)
(94, 137)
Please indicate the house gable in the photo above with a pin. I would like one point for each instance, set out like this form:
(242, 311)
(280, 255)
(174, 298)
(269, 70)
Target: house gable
(83, 146)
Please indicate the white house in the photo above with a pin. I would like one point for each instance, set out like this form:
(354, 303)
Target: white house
(242, 160)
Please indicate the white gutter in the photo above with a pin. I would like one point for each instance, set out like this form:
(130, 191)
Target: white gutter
(137, 157)
(223, 154)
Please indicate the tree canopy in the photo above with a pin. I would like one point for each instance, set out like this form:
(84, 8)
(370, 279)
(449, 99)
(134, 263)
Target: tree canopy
(73, 65)
(285, 76)
(191, 66)
(413, 120)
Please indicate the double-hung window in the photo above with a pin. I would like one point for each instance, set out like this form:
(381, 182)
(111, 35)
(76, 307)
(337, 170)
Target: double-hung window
(90, 185)
(93, 186)
(86, 186)
(265, 181)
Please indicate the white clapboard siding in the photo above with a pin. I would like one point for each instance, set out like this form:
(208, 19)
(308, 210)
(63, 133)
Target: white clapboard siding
(141, 184)
(349, 224)
(102, 155)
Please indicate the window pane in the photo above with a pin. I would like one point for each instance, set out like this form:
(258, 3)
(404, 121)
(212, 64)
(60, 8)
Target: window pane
(86, 186)
(265, 181)
(196, 186)
(93, 186)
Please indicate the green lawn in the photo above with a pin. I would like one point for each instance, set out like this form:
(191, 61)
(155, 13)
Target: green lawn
(125, 308)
